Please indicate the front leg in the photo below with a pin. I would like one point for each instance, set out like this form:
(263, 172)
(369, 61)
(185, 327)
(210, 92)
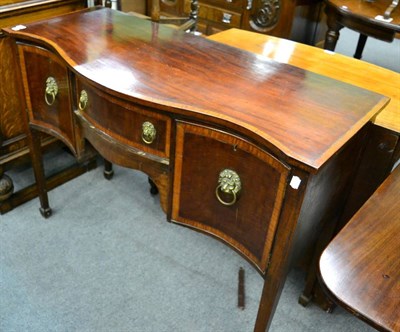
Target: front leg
(108, 170)
(37, 163)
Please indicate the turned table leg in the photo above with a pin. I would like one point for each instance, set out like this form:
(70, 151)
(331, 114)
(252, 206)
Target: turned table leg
(332, 35)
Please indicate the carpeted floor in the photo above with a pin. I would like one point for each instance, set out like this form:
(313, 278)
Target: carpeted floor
(108, 261)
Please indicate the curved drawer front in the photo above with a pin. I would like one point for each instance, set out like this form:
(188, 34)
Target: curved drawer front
(47, 91)
(131, 124)
(207, 163)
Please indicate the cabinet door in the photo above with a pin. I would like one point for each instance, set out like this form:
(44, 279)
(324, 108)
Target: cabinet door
(47, 92)
(228, 187)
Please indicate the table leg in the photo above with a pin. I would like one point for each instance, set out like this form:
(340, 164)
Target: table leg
(108, 169)
(360, 46)
(332, 35)
(37, 163)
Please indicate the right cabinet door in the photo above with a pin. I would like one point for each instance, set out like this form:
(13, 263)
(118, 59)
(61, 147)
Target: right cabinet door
(228, 187)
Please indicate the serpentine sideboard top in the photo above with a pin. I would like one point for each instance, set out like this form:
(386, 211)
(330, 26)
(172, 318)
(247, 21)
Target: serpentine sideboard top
(303, 117)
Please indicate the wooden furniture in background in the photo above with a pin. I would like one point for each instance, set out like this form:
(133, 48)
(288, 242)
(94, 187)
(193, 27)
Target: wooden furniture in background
(365, 17)
(182, 22)
(13, 142)
(273, 17)
(383, 146)
(188, 114)
(361, 267)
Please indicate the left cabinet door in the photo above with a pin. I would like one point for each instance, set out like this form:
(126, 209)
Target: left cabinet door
(47, 93)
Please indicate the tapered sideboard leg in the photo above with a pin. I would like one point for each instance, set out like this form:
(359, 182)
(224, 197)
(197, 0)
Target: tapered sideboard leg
(37, 163)
(266, 307)
(108, 169)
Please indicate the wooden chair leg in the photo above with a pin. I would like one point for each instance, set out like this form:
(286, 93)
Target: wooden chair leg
(360, 46)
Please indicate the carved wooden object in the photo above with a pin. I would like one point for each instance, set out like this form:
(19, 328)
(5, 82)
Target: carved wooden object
(265, 16)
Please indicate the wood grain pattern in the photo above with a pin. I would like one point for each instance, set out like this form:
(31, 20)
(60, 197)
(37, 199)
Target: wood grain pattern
(10, 107)
(336, 66)
(36, 66)
(306, 116)
(249, 225)
(21, 12)
(123, 121)
(361, 266)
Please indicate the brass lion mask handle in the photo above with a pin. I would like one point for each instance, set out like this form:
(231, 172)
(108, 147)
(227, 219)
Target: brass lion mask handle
(149, 132)
(51, 90)
(83, 100)
(228, 183)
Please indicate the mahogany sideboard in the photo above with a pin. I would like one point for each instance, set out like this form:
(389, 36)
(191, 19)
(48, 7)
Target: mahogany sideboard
(258, 154)
(13, 143)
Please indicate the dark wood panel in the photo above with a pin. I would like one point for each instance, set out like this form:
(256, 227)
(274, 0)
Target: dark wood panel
(124, 121)
(38, 65)
(250, 223)
(378, 161)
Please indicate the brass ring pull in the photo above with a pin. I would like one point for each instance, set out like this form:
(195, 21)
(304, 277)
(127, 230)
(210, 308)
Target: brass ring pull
(148, 132)
(83, 100)
(50, 91)
(228, 183)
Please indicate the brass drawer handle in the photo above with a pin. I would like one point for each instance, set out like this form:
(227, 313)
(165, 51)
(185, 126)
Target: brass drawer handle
(149, 132)
(228, 183)
(226, 18)
(83, 100)
(51, 91)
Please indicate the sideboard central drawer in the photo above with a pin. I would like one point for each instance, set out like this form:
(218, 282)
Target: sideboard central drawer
(128, 123)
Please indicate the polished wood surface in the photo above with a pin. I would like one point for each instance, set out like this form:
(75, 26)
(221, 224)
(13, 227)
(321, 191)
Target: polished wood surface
(337, 66)
(361, 266)
(252, 221)
(307, 125)
(212, 107)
